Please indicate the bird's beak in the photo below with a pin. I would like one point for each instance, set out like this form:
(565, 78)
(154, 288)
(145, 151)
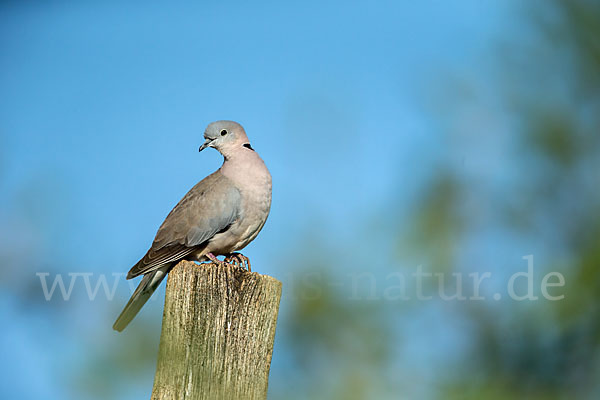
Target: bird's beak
(205, 145)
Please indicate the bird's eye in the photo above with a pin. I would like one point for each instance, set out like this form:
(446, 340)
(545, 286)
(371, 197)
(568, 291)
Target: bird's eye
(223, 132)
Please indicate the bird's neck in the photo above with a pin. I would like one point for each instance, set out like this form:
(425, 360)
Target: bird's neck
(245, 166)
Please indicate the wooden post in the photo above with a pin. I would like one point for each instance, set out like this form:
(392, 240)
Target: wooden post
(217, 333)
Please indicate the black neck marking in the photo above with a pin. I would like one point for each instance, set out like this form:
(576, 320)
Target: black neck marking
(247, 145)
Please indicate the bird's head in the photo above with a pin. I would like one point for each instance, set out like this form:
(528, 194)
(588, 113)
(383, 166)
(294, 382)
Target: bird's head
(225, 136)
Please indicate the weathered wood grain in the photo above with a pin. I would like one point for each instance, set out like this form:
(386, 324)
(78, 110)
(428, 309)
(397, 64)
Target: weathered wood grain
(217, 333)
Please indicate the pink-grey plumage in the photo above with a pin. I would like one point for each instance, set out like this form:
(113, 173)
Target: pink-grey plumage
(221, 214)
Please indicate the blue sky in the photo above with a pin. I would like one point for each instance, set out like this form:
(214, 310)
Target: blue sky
(104, 103)
(103, 97)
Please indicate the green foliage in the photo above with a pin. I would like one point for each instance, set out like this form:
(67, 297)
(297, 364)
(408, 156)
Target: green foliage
(541, 350)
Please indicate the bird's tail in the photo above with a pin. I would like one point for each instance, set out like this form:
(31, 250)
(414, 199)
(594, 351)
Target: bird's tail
(147, 286)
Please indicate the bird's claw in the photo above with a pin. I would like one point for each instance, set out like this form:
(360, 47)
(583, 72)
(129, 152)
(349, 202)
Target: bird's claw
(236, 259)
(215, 260)
(239, 259)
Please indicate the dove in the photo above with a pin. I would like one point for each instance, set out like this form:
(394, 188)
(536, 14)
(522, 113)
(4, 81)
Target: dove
(219, 216)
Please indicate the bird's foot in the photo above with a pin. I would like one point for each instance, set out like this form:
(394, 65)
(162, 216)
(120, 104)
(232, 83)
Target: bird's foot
(240, 260)
(215, 260)
(234, 259)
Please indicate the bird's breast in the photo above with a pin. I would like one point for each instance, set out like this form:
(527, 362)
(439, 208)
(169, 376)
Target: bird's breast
(253, 180)
(256, 201)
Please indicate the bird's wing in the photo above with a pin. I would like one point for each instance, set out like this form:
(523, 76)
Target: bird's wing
(208, 208)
